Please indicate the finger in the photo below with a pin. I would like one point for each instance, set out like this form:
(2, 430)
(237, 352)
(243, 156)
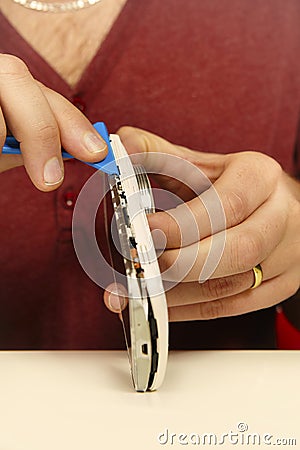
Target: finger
(152, 152)
(30, 119)
(115, 297)
(33, 123)
(77, 134)
(213, 289)
(183, 171)
(247, 181)
(245, 246)
(269, 293)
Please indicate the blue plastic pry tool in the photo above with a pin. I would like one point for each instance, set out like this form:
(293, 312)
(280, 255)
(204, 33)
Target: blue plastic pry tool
(107, 165)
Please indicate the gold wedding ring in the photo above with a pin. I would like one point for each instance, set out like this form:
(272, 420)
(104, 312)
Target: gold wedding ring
(258, 276)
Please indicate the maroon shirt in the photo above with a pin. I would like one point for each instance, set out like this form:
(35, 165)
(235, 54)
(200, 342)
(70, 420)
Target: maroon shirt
(210, 75)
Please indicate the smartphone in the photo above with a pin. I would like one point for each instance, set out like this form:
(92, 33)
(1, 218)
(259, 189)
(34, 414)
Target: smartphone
(148, 315)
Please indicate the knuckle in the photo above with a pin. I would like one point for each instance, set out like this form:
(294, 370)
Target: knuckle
(268, 165)
(67, 110)
(236, 207)
(219, 287)
(272, 165)
(13, 66)
(259, 166)
(248, 249)
(212, 310)
(70, 113)
(46, 134)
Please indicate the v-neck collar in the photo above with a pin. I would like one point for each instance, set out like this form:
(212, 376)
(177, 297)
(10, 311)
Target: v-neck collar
(101, 63)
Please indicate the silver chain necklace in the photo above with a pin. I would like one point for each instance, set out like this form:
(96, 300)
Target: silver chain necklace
(75, 5)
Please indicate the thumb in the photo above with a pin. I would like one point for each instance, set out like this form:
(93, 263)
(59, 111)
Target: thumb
(167, 162)
(144, 147)
(159, 156)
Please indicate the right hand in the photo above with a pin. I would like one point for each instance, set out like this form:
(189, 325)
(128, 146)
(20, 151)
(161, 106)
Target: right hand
(42, 121)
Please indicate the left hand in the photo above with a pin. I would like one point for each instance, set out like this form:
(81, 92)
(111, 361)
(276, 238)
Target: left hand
(262, 209)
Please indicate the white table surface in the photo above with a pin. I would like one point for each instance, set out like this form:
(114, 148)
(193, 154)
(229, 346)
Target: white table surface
(85, 400)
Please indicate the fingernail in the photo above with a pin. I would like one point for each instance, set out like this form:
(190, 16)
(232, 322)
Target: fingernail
(53, 173)
(94, 143)
(116, 302)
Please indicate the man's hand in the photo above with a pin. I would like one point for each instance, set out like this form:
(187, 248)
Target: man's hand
(261, 204)
(43, 122)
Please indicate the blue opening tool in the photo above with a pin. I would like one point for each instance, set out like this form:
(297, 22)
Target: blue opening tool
(107, 165)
